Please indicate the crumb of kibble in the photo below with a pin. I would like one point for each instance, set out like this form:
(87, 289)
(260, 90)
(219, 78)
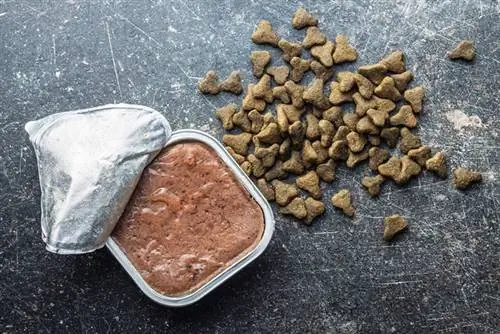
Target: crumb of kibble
(344, 52)
(239, 143)
(404, 117)
(264, 34)
(237, 157)
(267, 154)
(378, 117)
(299, 67)
(313, 37)
(420, 155)
(323, 53)
(366, 126)
(356, 142)
(251, 102)
(394, 62)
(320, 71)
(342, 201)
(289, 49)
(336, 96)
(314, 94)
(401, 80)
(284, 192)
(393, 225)
(377, 157)
(314, 209)
(372, 184)
(338, 150)
(355, 158)
(258, 169)
(391, 136)
(270, 134)
(225, 114)
(209, 84)
(302, 18)
(463, 178)
(408, 141)
(415, 98)
(296, 208)
(295, 92)
(464, 50)
(437, 164)
(326, 171)
(232, 84)
(310, 183)
(266, 189)
(374, 72)
(294, 164)
(259, 60)
(279, 73)
(387, 89)
(241, 120)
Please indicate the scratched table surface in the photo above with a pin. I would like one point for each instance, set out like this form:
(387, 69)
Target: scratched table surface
(336, 276)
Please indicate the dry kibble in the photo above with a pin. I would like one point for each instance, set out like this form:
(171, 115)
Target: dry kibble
(463, 178)
(326, 171)
(420, 155)
(344, 52)
(264, 34)
(209, 84)
(415, 97)
(232, 84)
(250, 102)
(366, 126)
(355, 142)
(237, 157)
(258, 169)
(437, 164)
(374, 140)
(338, 150)
(409, 168)
(297, 132)
(269, 134)
(312, 130)
(309, 154)
(321, 151)
(295, 92)
(299, 67)
(401, 80)
(294, 165)
(372, 184)
(394, 62)
(323, 53)
(267, 154)
(225, 114)
(351, 120)
(289, 49)
(378, 117)
(285, 148)
(241, 120)
(279, 73)
(302, 18)
(280, 93)
(336, 96)
(257, 121)
(387, 89)
(391, 136)
(391, 168)
(266, 189)
(268, 118)
(464, 50)
(284, 192)
(239, 143)
(292, 113)
(393, 225)
(375, 72)
(320, 71)
(314, 95)
(409, 141)
(365, 87)
(296, 208)
(363, 105)
(341, 133)
(354, 158)
(377, 157)
(342, 201)
(262, 89)
(281, 118)
(404, 117)
(247, 167)
(346, 81)
(310, 183)
(327, 131)
(314, 209)
(276, 172)
(334, 115)
(259, 60)
(314, 36)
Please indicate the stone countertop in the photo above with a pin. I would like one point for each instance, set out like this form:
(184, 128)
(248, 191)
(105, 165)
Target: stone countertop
(336, 276)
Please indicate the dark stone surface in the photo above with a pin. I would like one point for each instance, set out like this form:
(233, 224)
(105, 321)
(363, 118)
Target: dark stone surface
(336, 276)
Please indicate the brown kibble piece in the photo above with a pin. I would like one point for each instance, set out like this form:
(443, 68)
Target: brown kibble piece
(346, 81)
(338, 150)
(289, 49)
(310, 183)
(285, 148)
(279, 73)
(374, 140)
(241, 120)
(266, 189)
(297, 133)
(393, 225)
(259, 60)
(463, 178)
(377, 157)
(464, 50)
(320, 71)
(344, 52)
(420, 155)
(269, 134)
(302, 18)
(281, 118)
(257, 121)
(247, 167)
(415, 97)
(378, 117)
(314, 36)
(391, 168)
(312, 130)
(268, 118)
(237, 157)
(437, 164)
(321, 151)
(264, 34)
(365, 87)
(409, 141)
(275, 172)
(366, 126)
(295, 92)
(372, 184)
(294, 165)
(314, 95)
(375, 72)
(292, 113)
(314, 209)
(250, 102)
(351, 120)
(239, 143)
(394, 62)
(404, 117)
(334, 115)
(342, 133)
(309, 154)
(342, 201)
(258, 169)
(326, 171)
(401, 80)
(327, 131)
(295, 208)
(336, 96)
(363, 105)
(409, 168)
(279, 93)
(391, 136)
(354, 158)
(209, 84)
(324, 53)
(299, 67)
(387, 89)
(262, 89)
(232, 84)
(284, 192)
(355, 141)
(267, 154)
(225, 114)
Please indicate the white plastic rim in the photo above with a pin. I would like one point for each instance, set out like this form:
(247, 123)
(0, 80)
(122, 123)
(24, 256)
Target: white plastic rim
(246, 182)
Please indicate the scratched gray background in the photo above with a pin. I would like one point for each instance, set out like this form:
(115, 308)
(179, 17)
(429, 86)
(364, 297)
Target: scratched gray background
(337, 276)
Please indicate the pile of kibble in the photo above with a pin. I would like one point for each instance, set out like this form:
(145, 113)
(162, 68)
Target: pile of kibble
(288, 151)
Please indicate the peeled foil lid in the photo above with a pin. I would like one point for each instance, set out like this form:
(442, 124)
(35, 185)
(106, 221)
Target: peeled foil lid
(89, 163)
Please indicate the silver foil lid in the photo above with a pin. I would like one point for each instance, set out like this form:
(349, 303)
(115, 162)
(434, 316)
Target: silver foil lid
(89, 162)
